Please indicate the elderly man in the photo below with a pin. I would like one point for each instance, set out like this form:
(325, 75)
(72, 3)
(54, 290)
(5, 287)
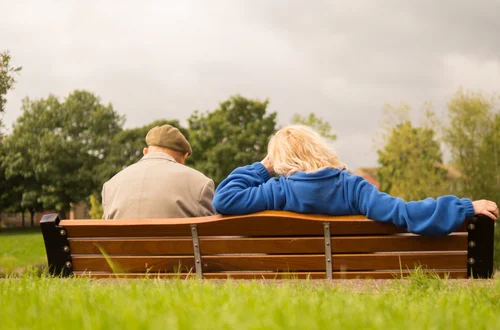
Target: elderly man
(159, 185)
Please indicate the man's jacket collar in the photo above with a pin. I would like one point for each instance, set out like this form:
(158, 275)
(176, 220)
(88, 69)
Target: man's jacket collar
(158, 155)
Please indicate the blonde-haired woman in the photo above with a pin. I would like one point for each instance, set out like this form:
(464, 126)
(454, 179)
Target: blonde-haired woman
(313, 180)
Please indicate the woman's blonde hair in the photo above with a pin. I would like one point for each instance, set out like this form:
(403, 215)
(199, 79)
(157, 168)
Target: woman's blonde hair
(299, 148)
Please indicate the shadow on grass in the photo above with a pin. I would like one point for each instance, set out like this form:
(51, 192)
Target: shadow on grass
(20, 231)
(33, 270)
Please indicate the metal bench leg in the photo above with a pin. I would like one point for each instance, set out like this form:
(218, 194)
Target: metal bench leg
(57, 247)
(480, 247)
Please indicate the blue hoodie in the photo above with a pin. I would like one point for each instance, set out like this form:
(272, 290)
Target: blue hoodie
(250, 189)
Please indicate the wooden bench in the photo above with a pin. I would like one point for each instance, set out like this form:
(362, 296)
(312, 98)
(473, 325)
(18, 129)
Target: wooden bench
(270, 245)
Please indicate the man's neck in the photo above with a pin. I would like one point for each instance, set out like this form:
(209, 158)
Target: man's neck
(172, 153)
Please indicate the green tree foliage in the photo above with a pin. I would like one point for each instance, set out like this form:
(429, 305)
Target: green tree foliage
(473, 139)
(96, 210)
(10, 197)
(57, 146)
(320, 125)
(235, 134)
(489, 162)
(7, 79)
(411, 162)
(126, 149)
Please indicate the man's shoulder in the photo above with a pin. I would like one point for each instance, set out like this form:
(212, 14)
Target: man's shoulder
(143, 166)
(195, 174)
(122, 173)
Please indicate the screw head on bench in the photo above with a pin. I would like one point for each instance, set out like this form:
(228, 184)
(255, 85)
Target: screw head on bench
(66, 248)
(62, 232)
(472, 226)
(68, 264)
(472, 261)
(197, 261)
(472, 243)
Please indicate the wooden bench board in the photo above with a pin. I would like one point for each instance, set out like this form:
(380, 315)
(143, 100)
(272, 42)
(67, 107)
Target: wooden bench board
(274, 245)
(267, 244)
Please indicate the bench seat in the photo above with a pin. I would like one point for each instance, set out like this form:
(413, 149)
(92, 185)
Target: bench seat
(269, 245)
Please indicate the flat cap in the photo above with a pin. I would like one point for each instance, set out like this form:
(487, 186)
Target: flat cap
(167, 136)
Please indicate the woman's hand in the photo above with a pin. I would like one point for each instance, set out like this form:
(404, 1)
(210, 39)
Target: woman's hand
(486, 207)
(268, 164)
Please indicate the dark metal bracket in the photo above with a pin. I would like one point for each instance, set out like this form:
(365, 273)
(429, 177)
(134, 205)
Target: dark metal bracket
(328, 251)
(480, 242)
(57, 246)
(197, 254)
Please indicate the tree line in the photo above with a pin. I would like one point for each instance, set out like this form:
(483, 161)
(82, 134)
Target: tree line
(60, 152)
(411, 156)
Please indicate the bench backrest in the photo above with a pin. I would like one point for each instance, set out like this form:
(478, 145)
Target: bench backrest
(268, 244)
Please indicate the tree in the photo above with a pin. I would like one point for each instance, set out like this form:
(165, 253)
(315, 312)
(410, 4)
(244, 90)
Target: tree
(411, 161)
(320, 125)
(235, 134)
(57, 146)
(7, 79)
(10, 198)
(488, 155)
(472, 137)
(96, 210)
(16, 194)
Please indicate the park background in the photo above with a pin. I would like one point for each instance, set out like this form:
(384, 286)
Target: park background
(408, 93)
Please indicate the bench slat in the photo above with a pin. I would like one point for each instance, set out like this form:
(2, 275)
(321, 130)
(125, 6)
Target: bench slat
(273, 275)
(313, 262)
(267, 223)
(279, 245)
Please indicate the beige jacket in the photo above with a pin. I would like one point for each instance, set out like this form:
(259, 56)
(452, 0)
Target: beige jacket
(157, 187)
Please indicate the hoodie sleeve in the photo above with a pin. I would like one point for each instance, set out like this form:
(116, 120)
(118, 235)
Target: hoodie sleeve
(248, 189)
(431, 217)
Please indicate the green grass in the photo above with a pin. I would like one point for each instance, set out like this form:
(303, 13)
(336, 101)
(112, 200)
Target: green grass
(421, 303)
(21, 249)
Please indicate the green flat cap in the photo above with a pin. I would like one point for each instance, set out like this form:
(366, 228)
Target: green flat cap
(167, 136)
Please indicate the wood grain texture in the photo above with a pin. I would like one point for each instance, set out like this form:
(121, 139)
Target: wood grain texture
(312, 262)
(260, 226)
(266, 223)
(271, 245)
(132, 246)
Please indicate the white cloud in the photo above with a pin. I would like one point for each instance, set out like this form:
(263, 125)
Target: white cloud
(472, 73)
(342, 60)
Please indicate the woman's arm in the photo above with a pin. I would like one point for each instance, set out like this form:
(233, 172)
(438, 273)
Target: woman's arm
(248, 189)
(430, 216)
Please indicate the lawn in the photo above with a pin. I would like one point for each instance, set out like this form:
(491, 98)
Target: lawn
(20, 249)
(420, 303)
(31, 301)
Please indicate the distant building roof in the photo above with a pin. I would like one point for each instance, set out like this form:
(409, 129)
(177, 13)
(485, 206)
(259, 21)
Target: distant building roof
(369, 174)
(453, 173)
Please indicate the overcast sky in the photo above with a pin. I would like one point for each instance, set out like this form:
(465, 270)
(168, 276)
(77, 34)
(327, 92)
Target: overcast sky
(342, 60)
